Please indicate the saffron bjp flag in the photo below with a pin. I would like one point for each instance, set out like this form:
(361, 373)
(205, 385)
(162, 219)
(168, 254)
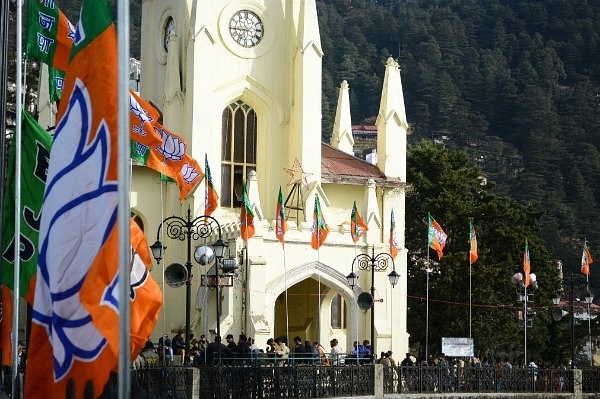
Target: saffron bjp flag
(473, 255)
(35, 155)
(586, 260)
(319, 228)
(394, 246)
(142, 117)
(50, 35)
(6, 315)
(145, 295)
(170, 159)
(189, 176)
(74, 326)
(526, 265)
(280, 222)
(211, 198)
(247, 229)
(436, 237)
(358, 227)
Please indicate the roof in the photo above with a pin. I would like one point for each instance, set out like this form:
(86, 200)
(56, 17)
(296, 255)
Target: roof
(342, 168)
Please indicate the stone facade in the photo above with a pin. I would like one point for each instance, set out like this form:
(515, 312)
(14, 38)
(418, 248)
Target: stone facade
(193, 77)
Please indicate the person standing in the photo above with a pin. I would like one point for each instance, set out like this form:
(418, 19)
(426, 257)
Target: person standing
(336, 354)
(216, 350)
(407, 361)
(165, 349)
(300, 354)
(231, 345)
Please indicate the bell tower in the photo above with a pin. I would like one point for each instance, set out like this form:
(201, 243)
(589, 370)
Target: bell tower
(241, 82)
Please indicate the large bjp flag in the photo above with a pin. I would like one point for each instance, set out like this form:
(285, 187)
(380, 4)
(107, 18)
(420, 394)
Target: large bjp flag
(74, 337)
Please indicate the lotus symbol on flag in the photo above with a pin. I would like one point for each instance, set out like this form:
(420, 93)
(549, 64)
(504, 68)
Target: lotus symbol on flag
(80, 207)
(189, 173)
(172, 148)
(137, 110)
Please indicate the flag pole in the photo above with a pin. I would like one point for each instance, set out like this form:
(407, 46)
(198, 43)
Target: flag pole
(124, 211)
(470, 282)
(17, 144)
(287, 317)
(427, 270)
(587, 280)
(319, 287)
(4, 11)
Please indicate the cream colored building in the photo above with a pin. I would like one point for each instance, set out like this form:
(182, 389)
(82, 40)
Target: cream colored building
(241, 82)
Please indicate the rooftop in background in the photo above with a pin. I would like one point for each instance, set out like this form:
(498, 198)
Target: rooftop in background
(339, 167)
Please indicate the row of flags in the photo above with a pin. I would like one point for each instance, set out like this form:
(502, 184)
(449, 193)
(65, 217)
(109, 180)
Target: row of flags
(69, 262)
(50, 38)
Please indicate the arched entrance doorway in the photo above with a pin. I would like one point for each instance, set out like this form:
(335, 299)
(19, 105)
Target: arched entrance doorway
(301, 315)
(318, 306)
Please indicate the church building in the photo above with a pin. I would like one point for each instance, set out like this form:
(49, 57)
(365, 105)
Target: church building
(240, 81)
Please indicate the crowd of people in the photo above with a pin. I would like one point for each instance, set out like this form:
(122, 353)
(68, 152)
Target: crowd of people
(171, 351)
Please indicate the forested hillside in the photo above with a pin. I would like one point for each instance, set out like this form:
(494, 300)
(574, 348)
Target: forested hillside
(515, 83)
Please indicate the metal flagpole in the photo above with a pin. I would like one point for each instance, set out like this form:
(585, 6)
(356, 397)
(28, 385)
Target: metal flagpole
(525, 325)
(470, 283)
(124, 211)
(4, 11)
(17, 143)
(287, 317)
(427, 270)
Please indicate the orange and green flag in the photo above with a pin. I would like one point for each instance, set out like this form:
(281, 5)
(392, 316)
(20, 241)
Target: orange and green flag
(586, 259)
(319, 227)
(436, 237)
(211, 198)
(142, 119)
(473, 255)
(75, 318)
(170, 159)
(526, 265)
(358, 227)
(50, 35)
(280, 222)
(246, 217)
(394, 246)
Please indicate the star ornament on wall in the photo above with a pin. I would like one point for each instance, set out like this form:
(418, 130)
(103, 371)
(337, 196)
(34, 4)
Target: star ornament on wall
(297, 174)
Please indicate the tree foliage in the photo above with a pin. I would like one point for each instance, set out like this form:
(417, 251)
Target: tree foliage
(445, 185)
(515, 84)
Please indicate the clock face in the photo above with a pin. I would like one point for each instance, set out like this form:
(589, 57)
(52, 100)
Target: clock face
(246, 28)
(169, 28)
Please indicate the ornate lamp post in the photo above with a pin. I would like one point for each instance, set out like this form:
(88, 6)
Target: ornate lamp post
(558, 313)
(524, 297)
(372, 263)
(188, 230)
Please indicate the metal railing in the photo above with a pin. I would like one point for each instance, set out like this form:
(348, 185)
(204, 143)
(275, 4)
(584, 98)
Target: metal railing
(315, 381)
(416, 379)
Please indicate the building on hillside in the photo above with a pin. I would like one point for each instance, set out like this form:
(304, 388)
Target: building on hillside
(241, 83)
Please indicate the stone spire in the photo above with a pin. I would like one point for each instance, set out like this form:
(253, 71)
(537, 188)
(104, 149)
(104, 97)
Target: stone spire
(342, 137)
(305, 120)
(392, 126)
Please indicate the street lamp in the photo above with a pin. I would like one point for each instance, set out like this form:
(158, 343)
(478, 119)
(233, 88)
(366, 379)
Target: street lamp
(525, 298)
(372, 263)
(558, 313)
(187, 229)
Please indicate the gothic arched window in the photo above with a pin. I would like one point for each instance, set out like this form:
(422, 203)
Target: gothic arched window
(238, 152)
(338, 312)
